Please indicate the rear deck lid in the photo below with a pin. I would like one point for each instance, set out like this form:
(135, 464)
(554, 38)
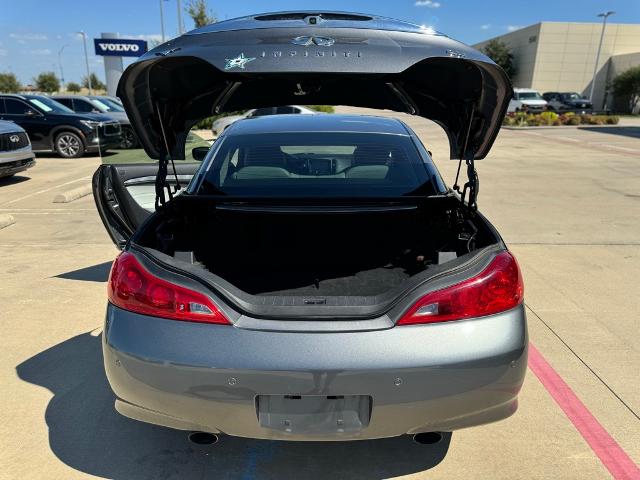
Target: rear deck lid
(310, 58)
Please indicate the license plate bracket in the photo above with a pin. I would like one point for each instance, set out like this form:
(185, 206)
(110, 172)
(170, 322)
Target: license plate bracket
(314, 414)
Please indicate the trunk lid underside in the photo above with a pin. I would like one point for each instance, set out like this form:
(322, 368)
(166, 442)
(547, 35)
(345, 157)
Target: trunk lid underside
(371, 62)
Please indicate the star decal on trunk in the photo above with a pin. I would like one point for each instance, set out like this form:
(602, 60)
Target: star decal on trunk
(240, 61)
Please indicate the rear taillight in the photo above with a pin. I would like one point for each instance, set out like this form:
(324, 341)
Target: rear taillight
(131, 287)
(497, 288)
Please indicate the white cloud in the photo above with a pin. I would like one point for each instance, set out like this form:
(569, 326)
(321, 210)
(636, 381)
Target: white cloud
(513, 28)
(28, 36)
(486, 26)
(40, 51)
(3, 52)
(427, 3)
(154, 37)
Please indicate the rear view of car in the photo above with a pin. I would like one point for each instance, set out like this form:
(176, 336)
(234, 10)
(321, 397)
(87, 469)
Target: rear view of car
(316, 279)
(15, 150)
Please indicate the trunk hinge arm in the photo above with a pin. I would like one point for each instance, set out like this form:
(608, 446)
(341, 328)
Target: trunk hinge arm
(163, 163)
(472, 185)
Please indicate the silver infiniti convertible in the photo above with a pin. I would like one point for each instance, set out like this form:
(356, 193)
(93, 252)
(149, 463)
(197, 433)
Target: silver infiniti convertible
(311, 277)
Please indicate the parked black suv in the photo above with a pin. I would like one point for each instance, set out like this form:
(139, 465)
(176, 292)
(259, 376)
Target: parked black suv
(53, 127)
(103, 106)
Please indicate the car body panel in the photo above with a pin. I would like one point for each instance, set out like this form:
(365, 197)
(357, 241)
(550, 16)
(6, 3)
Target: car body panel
(437, 377)
(212, 71)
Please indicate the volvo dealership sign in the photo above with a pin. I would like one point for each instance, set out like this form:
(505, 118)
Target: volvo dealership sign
(119, 47)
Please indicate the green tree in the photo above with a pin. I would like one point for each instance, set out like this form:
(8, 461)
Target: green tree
(96, 83)
(9, 83)
(73, 87)
(47, 82)
(200, 13)
(627, 86)
(500, 53)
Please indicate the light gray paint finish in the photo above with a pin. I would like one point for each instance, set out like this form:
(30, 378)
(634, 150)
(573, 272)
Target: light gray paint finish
(10, 127)
(452, 375)
(14, 155)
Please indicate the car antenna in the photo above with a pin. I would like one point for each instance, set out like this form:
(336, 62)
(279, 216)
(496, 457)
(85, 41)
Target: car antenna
(161, 178)
(473, 183)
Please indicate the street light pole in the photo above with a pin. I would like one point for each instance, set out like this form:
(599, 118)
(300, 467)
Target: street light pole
(60, 64)
(86, 60)
(162, 20)
(604, 16)
(180, 24)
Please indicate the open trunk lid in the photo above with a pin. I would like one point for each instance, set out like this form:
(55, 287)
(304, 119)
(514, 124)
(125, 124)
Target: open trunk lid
(314, 58)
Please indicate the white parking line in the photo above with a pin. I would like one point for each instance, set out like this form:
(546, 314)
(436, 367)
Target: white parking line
(69, 212)
(38, 210)
(617, 147)
(569, 139)
(46, 190)
(584, 143)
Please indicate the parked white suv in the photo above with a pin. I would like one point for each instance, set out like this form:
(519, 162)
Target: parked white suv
(527, 99)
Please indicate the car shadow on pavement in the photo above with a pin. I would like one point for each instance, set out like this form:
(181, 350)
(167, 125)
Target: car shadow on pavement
(13, 180)
(633, 132)
(87, 434)
(94, 273)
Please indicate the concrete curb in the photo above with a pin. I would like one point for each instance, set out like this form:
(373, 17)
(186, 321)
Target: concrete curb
(71, 195)
(6, 220)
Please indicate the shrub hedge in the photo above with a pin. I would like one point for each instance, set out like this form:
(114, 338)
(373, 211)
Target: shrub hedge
(522, 119)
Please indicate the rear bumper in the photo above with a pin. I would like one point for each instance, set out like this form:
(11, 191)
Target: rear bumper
(437, 377)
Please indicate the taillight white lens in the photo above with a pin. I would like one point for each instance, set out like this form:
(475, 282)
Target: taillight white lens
(497, 288)
(131, 287)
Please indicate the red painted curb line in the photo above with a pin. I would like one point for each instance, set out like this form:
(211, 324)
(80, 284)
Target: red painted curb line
(612, 456)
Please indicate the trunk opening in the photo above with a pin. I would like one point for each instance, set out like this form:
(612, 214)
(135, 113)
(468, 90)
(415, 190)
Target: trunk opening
(361, 252)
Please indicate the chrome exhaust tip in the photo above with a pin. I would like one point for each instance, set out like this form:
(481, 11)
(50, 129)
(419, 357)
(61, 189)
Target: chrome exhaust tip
(427, 438)
(203, 438)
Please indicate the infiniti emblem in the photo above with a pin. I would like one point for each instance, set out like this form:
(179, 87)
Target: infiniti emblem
(14, 138)
(305, 41)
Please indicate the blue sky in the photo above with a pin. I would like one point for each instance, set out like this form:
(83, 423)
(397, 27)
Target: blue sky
(33, 31)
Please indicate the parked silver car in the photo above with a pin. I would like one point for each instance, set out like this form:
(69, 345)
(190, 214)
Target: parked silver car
(15, 149)
(316, 279)
(222, 123)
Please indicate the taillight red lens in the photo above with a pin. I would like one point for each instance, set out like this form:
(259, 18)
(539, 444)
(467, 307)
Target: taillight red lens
(497, 288)
(131, 287)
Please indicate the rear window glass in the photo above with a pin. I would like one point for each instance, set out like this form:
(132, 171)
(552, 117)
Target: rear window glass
(319, 164)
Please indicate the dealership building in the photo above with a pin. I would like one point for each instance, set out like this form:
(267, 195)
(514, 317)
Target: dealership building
(560, 57)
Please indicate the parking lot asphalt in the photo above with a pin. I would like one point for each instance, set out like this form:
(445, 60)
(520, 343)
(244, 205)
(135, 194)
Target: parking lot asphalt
(567, 202)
